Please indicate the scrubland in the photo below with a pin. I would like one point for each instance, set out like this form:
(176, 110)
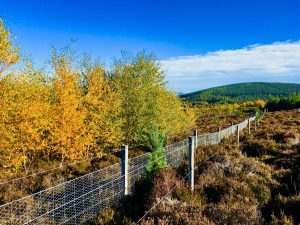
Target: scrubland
(255, 183)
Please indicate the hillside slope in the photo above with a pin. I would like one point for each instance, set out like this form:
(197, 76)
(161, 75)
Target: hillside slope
(242, 92)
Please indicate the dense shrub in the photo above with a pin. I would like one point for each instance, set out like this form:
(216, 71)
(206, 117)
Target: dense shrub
(291, 102)
(232, 214)
(290, 205)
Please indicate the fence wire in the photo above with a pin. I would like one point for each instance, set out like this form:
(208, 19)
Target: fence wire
(81, 199)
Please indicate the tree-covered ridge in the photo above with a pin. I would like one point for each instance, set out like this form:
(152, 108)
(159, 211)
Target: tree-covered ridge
(237, 93)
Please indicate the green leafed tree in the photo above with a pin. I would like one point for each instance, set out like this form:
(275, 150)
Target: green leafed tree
(145, 100)
(157, 158)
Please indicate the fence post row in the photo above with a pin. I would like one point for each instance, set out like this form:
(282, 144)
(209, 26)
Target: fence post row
(124, 169)
(192, 144)
(196, 137)
(191, 162)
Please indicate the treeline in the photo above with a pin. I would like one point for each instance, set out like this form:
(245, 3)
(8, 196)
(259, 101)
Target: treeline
(291, 102)
(78, 110)
(239, 93)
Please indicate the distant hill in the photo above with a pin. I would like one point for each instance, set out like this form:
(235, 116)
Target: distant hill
(237, 93)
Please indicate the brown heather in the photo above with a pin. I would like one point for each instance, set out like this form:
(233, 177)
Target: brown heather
(257, 183)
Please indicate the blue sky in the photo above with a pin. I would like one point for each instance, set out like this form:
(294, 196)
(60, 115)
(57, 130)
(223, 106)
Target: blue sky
(200, 43)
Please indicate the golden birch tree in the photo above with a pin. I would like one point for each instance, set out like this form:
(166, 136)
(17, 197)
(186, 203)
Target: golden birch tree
(68, 113)
(103, 110)
(24, 118)
(8, 52)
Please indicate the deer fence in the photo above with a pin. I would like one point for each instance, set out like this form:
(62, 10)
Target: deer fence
(81, 199)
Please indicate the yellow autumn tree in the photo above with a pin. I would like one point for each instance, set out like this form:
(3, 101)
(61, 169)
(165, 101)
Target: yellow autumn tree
(103, 107)
(8, 52)
(260, 103)
(69, 131)
(24, 120)
(174, 116)
(73, 114)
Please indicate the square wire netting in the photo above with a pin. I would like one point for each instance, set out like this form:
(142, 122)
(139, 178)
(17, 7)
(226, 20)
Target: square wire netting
(81, 199)
(56, 204)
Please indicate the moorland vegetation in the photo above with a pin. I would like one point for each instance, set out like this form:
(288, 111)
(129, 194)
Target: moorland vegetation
(255, 183)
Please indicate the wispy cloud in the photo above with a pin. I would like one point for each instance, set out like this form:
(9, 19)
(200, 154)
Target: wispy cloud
(264, 62)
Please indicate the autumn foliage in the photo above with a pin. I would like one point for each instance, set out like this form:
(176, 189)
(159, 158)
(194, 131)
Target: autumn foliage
(79, 110)
(8, 53)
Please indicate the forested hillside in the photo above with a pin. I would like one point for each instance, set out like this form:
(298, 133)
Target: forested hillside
(237, 93)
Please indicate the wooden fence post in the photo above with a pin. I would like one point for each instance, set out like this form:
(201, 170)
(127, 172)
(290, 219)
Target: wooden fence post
(196, 137)
(124, 169)
(219, 134)
(238, 135)
(191, 162)
(249, 126)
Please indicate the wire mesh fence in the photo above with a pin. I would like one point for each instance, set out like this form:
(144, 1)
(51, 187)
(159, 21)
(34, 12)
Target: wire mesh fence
(81, 199)
(137, 167)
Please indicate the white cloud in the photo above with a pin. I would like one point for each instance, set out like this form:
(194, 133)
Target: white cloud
(276, 62)
(265, 61)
